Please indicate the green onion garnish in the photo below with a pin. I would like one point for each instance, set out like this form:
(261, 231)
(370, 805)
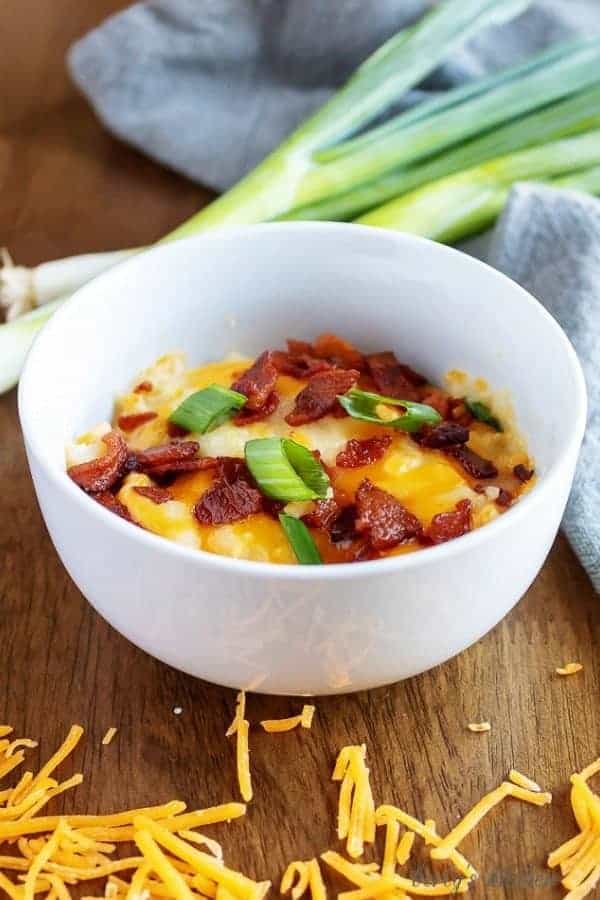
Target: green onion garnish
(373, 408)
(206, 409)
(285, 470)
(482, 412)
(301, 539)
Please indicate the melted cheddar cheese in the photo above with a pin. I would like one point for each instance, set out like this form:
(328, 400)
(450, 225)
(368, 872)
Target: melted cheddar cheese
(425, 481)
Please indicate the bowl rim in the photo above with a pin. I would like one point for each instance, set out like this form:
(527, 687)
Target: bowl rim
(278, 571)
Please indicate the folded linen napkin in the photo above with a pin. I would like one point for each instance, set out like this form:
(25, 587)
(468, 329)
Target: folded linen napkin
(209, 87)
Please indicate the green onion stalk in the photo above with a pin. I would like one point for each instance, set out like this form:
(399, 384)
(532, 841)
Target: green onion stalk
(460, 205)
(334, 155)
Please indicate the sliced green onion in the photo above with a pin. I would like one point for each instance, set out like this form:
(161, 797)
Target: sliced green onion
(301, 540)
(285, 470)
(364, 406)
(483, 413)
(206, 409)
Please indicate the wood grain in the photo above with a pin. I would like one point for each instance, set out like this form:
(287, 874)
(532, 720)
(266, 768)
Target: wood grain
(66, 186)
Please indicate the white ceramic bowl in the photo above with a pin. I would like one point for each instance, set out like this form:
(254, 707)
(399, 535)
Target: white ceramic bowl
(291, 629)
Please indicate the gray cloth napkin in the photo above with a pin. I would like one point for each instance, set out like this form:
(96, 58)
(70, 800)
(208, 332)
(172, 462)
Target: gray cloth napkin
(208, 87)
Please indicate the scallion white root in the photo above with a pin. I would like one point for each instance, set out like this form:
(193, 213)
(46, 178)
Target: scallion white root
(23, 289)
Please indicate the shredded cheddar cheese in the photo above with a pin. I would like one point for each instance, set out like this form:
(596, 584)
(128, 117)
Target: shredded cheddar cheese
(523, 781)
(51, 854)
(479, 726)
(579, 857)
(356, 810)
(277, 725)
(405, 848)
(240, 727)
(444, 849)
(109, 736)
(295, 880)
(570, 669)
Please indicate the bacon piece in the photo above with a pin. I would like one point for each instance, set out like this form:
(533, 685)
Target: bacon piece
(113, 504)
(166, 457)
(362, 453)
(248, 416)
(319, 397)
(343, 529)
(448, 525)
(184, 465)
(474, 464)
(129, 422)
(154, 493)
(446, 434)
(504, 498)
(301, 365)
(383, 518)
(459, 412)
(102, 473)
(324, 514)
(257, 382)
(175, 431)
(230, 497)
(298, 348)
(144, 387)
(523, 473)
(438, 399)
(341, 353)
(393, 378)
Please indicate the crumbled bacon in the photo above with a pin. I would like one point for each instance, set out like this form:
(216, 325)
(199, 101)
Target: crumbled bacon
(297, 348)
(448, 525)
(319, 397)
(459, 412)
(504, 498)
(383, 518)
(341, 353)
(144, 387)
(362, 453)
(446, 434)
(230, 497)
(301, 365)
(323, 515)
(438, 399)
(523, 473)
(393, 378)
(474, 464)
(165, 457)
(258, 382)
(343, 529)
(134, 420)
(175, 431)
(248, 416)
(112, 503)
(154, 493)
(183, 465)
(102, 473)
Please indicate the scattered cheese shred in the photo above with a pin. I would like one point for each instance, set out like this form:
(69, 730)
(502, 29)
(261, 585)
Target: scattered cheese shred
(277, 725)
(569, 669)
(240, 727)
(405, 848)
(109, 736)
(57, 852)
(356, 810)
(579, 857)
(457, 859)
(523, 781)
(479, 726)
(444, 849)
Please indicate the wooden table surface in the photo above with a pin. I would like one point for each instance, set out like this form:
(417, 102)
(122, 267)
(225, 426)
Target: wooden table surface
(65, 187)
